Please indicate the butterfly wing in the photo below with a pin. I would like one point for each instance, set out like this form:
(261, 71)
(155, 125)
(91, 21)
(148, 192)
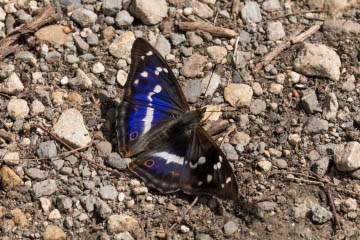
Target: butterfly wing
(151, 95)
(191, 162)
(207, 170)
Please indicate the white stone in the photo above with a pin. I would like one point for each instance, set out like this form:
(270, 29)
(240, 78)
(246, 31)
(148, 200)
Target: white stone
(71, 128)
(98, 68)
(122, 45)
(238, 94)
(36, 108)
(347, 156)
(54, 214)
(18, 109)
(12, 85)
(318, 60)
(275, 31)
(149, 12)
(121, 77)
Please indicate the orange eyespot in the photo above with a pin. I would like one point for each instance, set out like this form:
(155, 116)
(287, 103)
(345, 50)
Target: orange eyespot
(149, 163)
(133, 135)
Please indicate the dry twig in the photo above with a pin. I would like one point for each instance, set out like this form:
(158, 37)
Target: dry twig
(281, 47)
(214, 31)
(46, 15)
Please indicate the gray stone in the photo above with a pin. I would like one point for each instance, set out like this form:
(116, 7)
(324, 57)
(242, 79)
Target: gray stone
(162, 45)
(103, 209)
(92, 39)
(81, 44)
(242, 59)
(6, 70)
(123, 18)
(111, 7)
(66, 170)
(193, 90)
(23, 17)
(88, 202)
(75, 3)
(211, 87)
(115, 161)
(84, 17)
(193, 66)
(257, 106)
(63, 203)
(27, 57)
(217, 53)
(244, 37)
(44, 188)
(230, 151)
(194, 39)
(52, 57)
(320, 166)
(280, 163)
(121, 46)
(316, 126)
(251, 12)
(330, 106)
(35, 173)
(47, 149)
(88, 184)
(177, 39)
(108, 192)
(266, 206)
(320, 214)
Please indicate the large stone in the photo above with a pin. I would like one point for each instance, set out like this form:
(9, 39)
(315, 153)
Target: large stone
(347, 156)
(193, 66)
(9, 179)
(318, 60)
(149, 12)
(84, 17)
(18, 109)
(121, 46)
(121, 223)
(54, 34)
(238, 94)
(12, 85)
(71, 128)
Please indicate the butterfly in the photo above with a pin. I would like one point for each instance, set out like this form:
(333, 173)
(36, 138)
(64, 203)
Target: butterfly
(155, 126)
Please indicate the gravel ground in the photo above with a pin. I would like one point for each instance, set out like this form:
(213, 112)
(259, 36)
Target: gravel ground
(294, 148)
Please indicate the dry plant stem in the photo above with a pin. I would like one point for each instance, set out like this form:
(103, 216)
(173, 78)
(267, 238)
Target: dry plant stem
(333, 209)
(80, 154)
(235, 7)
(186, 211)
(277, 50)
(46, 15)
(301, 37)
(8, 136)
(217, 127)
(232, 128)
(291, 14)
(214, 31)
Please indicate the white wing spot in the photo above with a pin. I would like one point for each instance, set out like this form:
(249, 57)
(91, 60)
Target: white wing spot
(136, 81)
(222, 185)
(200, 183)
(159, 69)
(215, 166)
(165, 70)
(170, 157)
(220, 158)
(157, 89)
(209, 178)
(219, 165)
(202, 160)
(149, 53)
(228, 180)
(142, 57)
(156, 72)
(149, 116)
(193, 166)
(144, 74)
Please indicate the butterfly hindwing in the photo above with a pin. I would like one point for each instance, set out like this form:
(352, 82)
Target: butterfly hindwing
(151, 95)
(207, 171)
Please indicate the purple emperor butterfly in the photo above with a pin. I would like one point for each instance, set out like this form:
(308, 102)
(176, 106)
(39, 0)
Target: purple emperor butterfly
(155, 126)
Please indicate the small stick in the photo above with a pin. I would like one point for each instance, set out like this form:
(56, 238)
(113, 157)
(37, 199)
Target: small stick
(8, 136)
(217, 127)
(232, 128)
(235, 7)
(301, 37)
(83, 156)
(186, 211)
(214, 31)
(281, 47)
(333, 209)
(290, 14)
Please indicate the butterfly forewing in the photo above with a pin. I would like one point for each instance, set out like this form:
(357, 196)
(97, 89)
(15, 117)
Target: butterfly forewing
(151, 95)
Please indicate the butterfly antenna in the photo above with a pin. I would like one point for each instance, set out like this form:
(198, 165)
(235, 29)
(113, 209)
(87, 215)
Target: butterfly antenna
(212, 72)
(185, 212)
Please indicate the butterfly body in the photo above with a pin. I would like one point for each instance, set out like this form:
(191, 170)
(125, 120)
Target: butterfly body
(155, 126)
